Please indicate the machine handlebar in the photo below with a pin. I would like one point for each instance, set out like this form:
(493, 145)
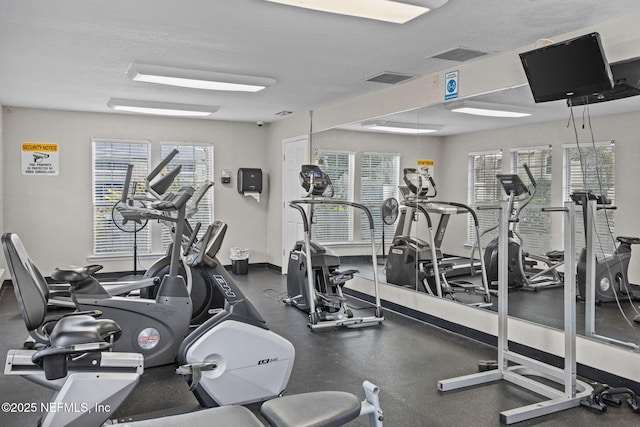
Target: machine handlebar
(174, 202)
(531, 178)
(127, 183)
(164, 162)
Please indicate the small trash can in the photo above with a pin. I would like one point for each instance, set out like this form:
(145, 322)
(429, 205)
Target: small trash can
(239, 260)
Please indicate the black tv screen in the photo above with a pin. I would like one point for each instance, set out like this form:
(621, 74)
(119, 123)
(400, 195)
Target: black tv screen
(568, 69)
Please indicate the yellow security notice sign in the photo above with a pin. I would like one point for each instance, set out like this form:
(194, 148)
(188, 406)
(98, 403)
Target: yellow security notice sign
(39, 158)
(425, 162)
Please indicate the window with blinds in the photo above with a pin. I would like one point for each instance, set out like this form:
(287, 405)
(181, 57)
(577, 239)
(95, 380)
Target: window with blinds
(197, 168)
(332, 223)
(379, 177)
(534, 225)
(110, 160)
(592, 167)
(484, 189)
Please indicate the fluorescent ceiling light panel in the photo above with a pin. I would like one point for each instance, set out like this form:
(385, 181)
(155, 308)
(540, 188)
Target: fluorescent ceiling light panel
(197, 79)
(403, 128)
(161, 108)
(487, 109)
(381, 10)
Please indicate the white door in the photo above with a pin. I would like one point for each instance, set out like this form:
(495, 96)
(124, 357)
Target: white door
(296, 153)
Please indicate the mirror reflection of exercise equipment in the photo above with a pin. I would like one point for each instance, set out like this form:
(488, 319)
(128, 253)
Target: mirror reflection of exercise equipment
(389, 213)
(413, 262)
(523, 266)
(604, 279)
(320, 293)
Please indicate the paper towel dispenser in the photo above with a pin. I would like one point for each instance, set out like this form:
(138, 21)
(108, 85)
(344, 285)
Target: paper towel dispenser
(249, 180)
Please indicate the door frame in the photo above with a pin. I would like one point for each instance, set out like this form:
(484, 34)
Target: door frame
(286, 197)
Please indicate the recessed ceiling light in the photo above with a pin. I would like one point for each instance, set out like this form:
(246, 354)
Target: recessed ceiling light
(403, 128)
(197, 79)
(161, 108)
(381, 10)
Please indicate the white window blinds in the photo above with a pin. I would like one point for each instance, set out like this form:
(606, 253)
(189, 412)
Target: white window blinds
(379, 176)
(484, 189)
(535, 226)
(197, 168)
(592, 167)
(334, 223)
(110, 160)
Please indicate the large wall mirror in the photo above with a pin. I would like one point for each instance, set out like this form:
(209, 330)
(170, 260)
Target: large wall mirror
(559, 144)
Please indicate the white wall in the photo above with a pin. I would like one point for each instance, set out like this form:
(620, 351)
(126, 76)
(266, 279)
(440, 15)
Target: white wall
(53, 214)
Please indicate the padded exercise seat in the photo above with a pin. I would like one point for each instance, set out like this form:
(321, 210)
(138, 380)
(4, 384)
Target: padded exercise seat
(230, 416)
(442, 266)
(411, 241)
(340, 277)
(73, 273)
(83, 329)
(32, 295)
(317, 409)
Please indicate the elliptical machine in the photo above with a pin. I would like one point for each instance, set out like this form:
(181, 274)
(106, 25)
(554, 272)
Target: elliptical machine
(520, 262)
(205, 297)
(611, 272)
(154, 327)
(320, 293)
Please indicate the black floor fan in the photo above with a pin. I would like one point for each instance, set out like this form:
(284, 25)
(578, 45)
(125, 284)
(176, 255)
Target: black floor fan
(389, 213)
(128, 225)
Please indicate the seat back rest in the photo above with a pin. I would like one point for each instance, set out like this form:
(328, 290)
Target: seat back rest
(29, 285)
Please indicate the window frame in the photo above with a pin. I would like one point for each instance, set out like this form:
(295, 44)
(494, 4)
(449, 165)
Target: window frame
(150, 241)
(144, 237)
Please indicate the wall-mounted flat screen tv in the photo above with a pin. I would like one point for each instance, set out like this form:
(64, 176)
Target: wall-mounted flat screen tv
(568, 69)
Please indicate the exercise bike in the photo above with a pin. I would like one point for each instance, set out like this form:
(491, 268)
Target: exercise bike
(611, 272)
(522, 265)
(320, 293)
(230, 359)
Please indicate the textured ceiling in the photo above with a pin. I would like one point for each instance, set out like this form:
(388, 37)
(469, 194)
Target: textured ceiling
(74, 54)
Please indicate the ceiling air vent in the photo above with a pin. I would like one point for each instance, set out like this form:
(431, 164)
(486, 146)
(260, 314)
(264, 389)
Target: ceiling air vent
(390, 78)
(283, 113)
(459, 54)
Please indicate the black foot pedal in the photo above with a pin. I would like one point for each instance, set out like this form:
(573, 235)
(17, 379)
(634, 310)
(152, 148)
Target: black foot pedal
(487, 365)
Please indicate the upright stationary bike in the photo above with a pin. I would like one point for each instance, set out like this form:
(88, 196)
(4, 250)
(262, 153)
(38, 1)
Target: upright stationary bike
(611, 272)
